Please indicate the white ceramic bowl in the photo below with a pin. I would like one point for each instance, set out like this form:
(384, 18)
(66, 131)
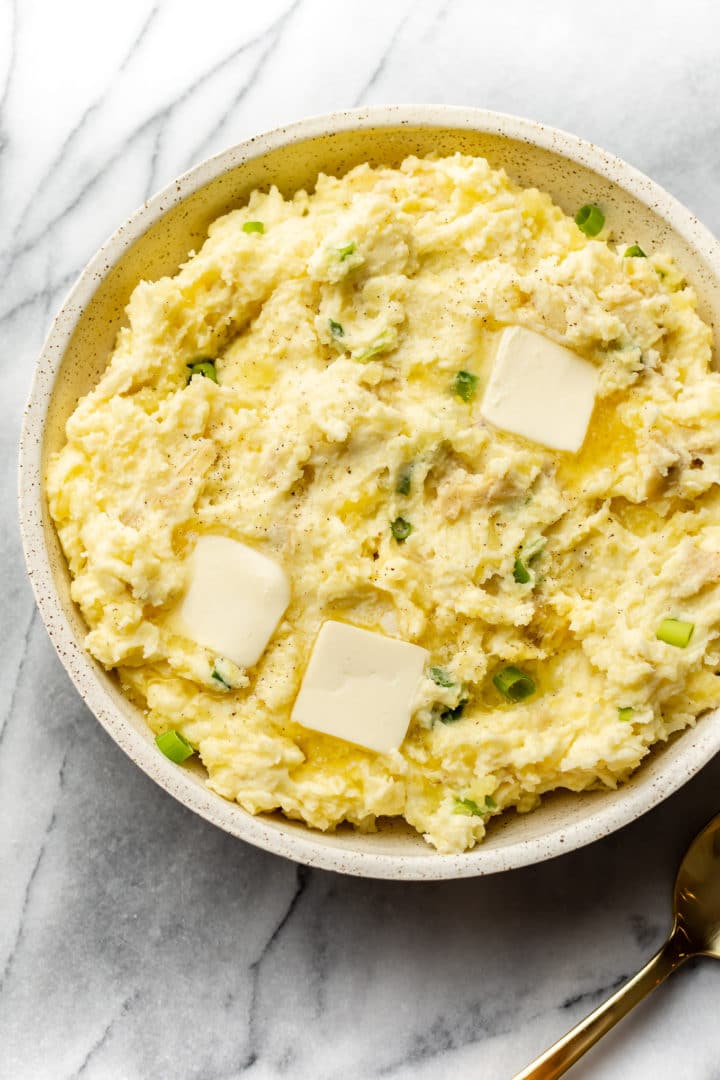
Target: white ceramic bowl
(153, 242)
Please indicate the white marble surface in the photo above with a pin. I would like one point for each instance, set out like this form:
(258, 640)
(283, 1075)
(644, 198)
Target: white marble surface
(135, 940)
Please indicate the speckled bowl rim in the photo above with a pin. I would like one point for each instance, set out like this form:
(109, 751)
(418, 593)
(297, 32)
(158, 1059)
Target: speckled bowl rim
(689, 753)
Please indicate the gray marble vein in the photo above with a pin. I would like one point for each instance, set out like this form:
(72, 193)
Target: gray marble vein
(375, 75)
(136, 941)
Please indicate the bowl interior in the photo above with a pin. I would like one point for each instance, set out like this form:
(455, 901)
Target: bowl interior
(180, 224)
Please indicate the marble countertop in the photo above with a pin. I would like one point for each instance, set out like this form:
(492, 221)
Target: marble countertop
(137, 941)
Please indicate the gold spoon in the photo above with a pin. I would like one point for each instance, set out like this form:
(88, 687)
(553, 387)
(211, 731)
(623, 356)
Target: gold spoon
(695, 932)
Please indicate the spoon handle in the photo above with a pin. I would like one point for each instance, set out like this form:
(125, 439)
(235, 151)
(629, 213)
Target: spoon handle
(558, 1059)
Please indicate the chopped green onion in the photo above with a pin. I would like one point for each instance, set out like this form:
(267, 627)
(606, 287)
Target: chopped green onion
(174, 746)
(625, 713)
(527, 553)
(202, 366)
(634, 252)
(449, 716)
(404, 480)
(533, 548)
(675, 632)
(521, 572)
(218, 678)
(386, 340)
(440, 676)
(253, 226)
(344, 252)
(401, 529)
(590, 219)
(514, 684)
(525, 556)
(336, 329)
(465, 385)
(471, 809)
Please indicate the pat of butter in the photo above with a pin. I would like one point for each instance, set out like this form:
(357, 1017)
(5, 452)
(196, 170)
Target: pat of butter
(234, 601)
(360, 686)
(540, 390)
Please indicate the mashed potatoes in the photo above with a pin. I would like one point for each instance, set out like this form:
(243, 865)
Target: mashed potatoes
(338, 324)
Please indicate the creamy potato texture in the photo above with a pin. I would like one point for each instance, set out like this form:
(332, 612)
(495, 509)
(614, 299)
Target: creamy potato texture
(337, 334)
